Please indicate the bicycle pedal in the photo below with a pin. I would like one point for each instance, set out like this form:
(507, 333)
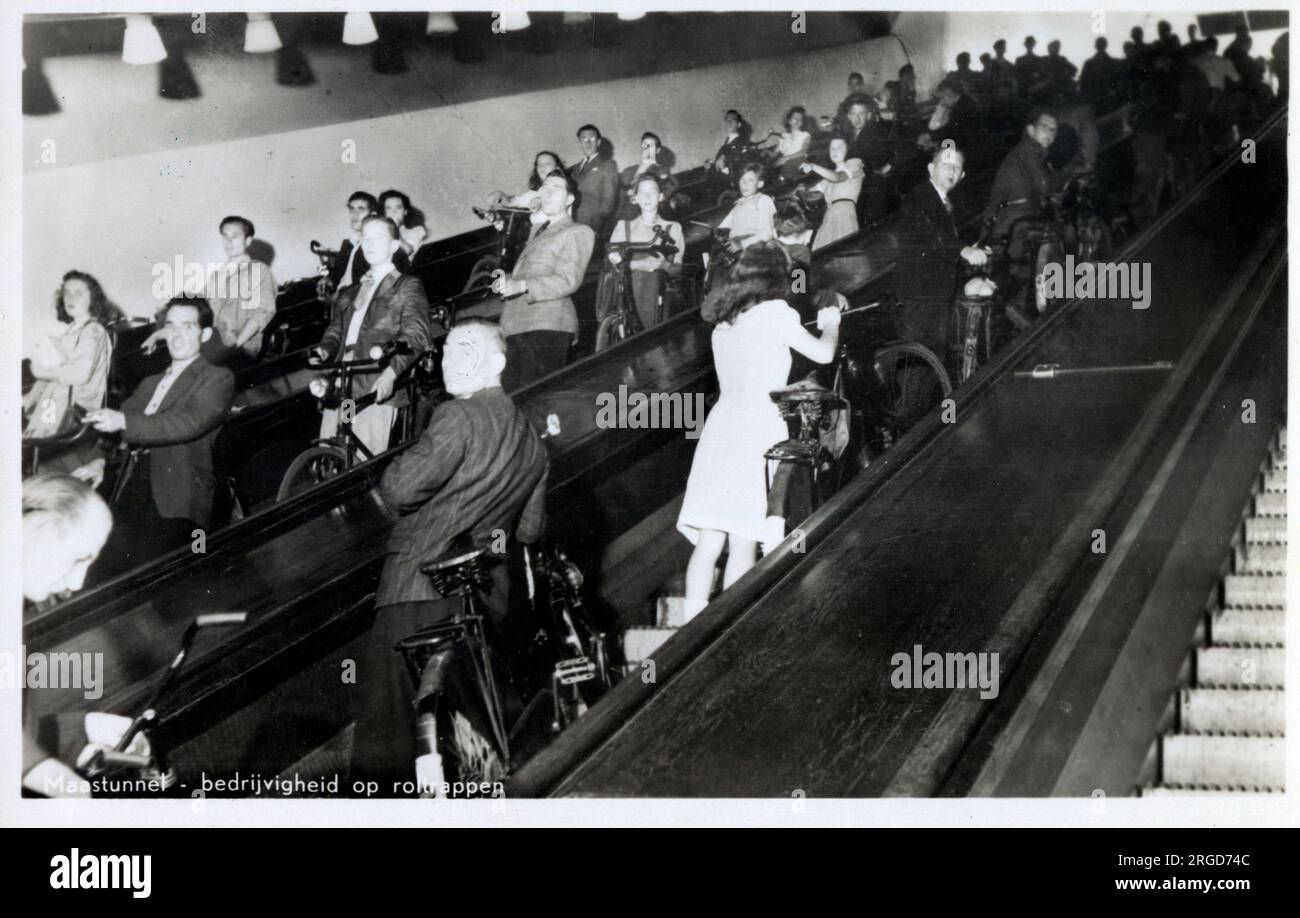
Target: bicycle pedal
(575, 670)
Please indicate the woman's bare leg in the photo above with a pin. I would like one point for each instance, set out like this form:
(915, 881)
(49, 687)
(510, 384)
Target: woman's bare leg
(741, 556)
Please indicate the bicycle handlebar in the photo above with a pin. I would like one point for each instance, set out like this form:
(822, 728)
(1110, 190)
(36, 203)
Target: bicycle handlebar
(380, 356)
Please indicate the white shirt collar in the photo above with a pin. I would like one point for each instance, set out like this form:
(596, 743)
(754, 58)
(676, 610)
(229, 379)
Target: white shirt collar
(177, 367)
(939, 191)
(378, 274)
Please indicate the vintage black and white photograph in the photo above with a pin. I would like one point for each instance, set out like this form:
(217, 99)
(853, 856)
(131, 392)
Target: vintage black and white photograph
(647, 405)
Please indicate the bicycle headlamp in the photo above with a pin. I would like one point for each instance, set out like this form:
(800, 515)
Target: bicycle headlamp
(319, 387)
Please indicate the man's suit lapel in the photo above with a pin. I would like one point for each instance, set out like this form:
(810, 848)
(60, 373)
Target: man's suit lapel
(187, 380)
(384, 289)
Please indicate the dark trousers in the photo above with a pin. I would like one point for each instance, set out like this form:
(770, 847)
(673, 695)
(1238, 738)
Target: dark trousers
(383, 742)
(140, 533)
(532, 355)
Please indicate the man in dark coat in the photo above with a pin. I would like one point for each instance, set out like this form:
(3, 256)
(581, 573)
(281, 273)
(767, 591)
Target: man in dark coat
(925, 267)
(479, 472)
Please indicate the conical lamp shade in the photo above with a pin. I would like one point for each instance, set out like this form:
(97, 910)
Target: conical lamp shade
(359, 29)
(142, 44)
(260, 35)
(514, 20)
(441, 24)
(632, 15)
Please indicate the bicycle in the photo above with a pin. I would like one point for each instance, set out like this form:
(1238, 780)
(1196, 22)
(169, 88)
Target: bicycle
(621, 320)
(147, 758)
(466, 736)
(330, 457)
(512, 231)
(845, 427)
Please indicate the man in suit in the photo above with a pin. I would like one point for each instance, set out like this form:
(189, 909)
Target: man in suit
(925, 266)
(868, 141)
(538, 320)
(177, 415)
(385, 305)
(351, 264)
(478, 471)
(597, 178)
(736, 152)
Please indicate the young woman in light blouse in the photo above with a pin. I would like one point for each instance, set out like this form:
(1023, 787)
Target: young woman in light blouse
(840, 187)
(71, 368)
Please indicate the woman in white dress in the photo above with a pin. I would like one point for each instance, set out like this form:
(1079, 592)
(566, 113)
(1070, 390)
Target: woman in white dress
(840, 187)
(726, 495)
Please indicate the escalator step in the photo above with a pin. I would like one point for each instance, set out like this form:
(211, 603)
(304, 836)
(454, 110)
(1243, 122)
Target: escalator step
(1260, 558)
(1254, 590)
(1270, 503)
(1224, 761)
(1247, 667)
(640, 643)
(1266, 529)
(1248, 626)
(1202, 791)
(1258, 711)
(1274, 480)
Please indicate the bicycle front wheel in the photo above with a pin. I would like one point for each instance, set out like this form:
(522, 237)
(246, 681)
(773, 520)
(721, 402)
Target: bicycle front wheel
(311, 467)
(910, 382)
(612, 330)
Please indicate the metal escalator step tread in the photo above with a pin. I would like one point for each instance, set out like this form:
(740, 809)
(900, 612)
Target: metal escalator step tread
(1171, 791)
(1240, 666)
(640, 643)
(1239, 711)
(1254, 590)
(1260, 558)
(1270, 503)
(1224, 761)
(1274, 481)
(1266, 529)
(1248, 626)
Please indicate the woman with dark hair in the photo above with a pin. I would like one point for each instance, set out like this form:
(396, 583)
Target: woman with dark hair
(791, 144)
(544, 163)
(411, 231)
(649, 164)
(754, 331)
(71, 369)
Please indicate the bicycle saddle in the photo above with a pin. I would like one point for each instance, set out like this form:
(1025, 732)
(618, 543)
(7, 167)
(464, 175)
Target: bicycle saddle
(807, 392)
(457, 574)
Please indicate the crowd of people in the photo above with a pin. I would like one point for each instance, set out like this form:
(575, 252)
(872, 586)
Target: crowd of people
(884, 152)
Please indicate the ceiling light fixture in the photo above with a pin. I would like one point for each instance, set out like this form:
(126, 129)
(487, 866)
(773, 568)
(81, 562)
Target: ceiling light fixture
(260, 35)
(142, 44)
(359, 29)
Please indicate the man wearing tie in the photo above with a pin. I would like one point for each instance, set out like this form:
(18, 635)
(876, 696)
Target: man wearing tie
(384, 306)
(538, 320)
(597, 179)
(177, 415)
(925, 266)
